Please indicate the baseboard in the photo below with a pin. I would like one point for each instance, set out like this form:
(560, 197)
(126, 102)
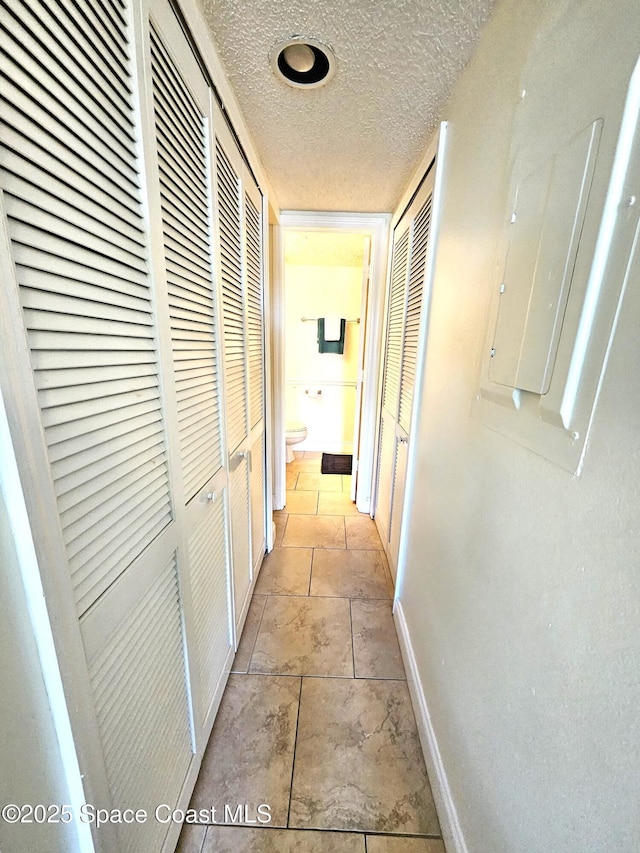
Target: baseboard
(326, 446)
(451, 832)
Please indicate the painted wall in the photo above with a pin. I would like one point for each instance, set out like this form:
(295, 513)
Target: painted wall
(521, 590)
(323, 277)
(31, 770)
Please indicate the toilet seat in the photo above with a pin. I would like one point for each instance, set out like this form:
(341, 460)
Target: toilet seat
(295, 432)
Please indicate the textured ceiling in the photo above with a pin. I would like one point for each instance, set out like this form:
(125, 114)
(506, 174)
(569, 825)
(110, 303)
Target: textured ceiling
(352, 144)
(323, 249)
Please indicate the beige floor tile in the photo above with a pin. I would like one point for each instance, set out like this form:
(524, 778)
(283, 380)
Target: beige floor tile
(358, 762)
(320, 482)
(346, 482)
(236, 839)
(314, 531)
(304, 636)
(336, 503)
(362, 533)
(281, 523)
(191, 839)
(350, 574)
(285, 571)
(311, 466)
(313, 454)
(389, 844)
(250, 753)
(291, 478)
(249, 634)
(302, 502)
(376, 651)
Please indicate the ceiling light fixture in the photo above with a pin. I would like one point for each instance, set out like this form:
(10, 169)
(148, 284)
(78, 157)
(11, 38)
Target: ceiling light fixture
(303, 63)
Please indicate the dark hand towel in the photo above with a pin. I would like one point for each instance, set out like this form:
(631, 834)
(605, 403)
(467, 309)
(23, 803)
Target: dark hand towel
(331, 346)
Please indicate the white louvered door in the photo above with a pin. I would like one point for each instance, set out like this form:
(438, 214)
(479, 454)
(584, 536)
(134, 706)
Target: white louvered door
(71, 196)
(183, 130)
(388, 438)
(404, 310)
(255, 365)
(132, 273)
(239, 241)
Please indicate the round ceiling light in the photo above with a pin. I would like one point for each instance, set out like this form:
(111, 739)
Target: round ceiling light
(303, 63)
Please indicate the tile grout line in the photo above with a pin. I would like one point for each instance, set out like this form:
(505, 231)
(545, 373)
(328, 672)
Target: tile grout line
(353, 651)
(204, 838)
(295, 748)
(255, 639)
(313, 549)
(320, 676)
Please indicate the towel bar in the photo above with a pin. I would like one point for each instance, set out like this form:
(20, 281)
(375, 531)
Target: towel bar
(315, 320)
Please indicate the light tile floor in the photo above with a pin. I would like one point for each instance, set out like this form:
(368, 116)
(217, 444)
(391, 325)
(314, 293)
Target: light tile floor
(316, 721)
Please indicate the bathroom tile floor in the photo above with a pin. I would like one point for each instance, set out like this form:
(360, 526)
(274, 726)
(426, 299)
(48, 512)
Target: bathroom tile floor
(316, 720)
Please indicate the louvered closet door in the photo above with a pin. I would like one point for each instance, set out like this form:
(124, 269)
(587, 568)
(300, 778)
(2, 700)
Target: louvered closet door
(255, 353)
(391, 379)
(230, 221)
(182, 121)
(72, 202)
(411, 242)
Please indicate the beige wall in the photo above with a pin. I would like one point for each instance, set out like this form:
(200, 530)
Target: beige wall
(522, 584)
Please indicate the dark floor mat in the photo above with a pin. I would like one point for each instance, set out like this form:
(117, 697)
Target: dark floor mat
(336, 463)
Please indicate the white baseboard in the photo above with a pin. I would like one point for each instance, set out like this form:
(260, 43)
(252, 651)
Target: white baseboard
(325, 446)
(447, 814)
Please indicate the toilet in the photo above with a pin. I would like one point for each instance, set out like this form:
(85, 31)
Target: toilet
(295, 432)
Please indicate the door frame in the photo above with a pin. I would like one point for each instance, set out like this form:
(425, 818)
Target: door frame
(364, 319)
(375, 226)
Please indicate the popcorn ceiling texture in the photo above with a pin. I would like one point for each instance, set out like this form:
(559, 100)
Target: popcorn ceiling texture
(353, 144)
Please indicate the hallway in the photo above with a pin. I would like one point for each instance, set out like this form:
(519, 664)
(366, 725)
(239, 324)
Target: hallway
(316, 720)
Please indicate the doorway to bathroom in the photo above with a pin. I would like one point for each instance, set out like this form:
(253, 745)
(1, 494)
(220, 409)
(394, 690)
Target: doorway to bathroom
(327, 327)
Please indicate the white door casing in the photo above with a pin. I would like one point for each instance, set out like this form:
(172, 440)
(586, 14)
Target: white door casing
(364, 302)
